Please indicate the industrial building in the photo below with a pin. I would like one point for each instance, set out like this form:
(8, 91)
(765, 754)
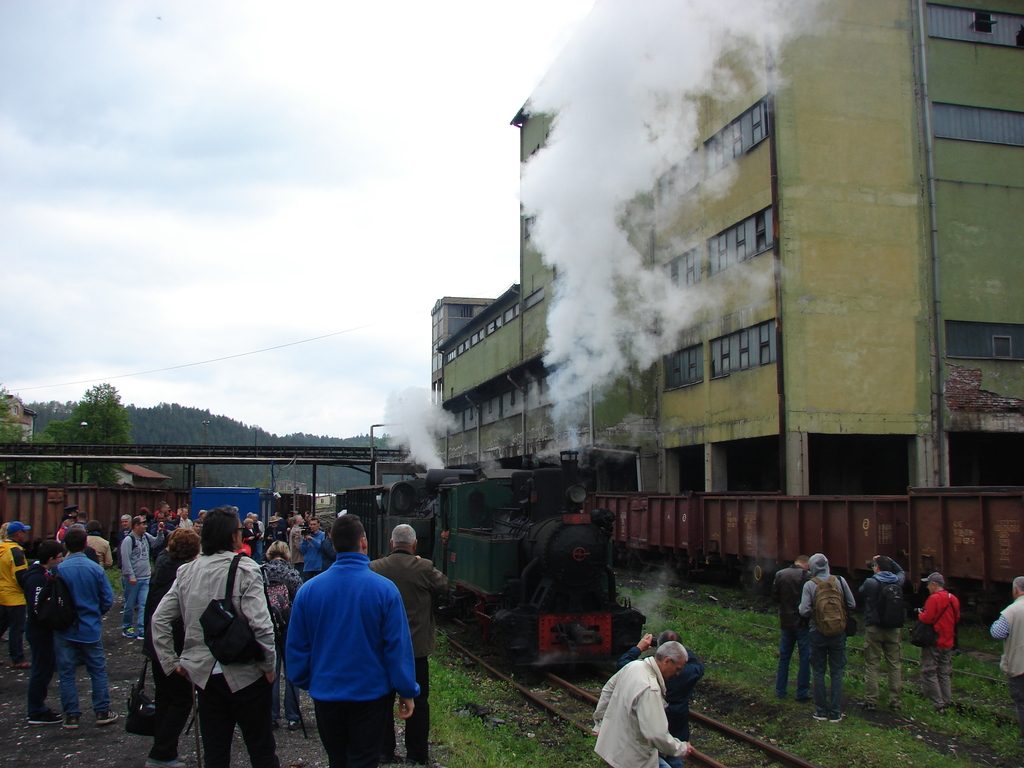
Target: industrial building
(869, 259)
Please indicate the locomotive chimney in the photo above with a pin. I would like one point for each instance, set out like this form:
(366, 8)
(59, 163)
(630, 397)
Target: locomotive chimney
(570, 468)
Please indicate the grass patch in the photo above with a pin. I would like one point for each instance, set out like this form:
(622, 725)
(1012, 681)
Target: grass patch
(527, 737)
(741, 661)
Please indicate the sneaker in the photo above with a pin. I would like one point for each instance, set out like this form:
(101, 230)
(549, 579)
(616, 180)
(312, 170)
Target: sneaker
(293, 725)
(867, 706)
(804, 700)
(140, 636)
(129, 633)
(71, 722)
(151, 763)
(820, 716)
(49, 717)
(836, 718)
(105, 718)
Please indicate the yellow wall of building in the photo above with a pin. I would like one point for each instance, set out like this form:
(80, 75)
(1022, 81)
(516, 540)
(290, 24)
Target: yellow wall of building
(855, 267)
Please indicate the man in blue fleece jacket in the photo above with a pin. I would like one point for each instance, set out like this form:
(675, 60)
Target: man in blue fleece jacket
(349, 646)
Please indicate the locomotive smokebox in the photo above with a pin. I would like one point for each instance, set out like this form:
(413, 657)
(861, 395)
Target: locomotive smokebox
(574, 555)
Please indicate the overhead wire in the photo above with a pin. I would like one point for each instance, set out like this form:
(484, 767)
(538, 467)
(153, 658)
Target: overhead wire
(192, 365)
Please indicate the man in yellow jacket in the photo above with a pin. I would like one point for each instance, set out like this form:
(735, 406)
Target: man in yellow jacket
(13, 565)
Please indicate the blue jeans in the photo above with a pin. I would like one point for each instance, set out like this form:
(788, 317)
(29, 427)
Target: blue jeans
(788, 640)
(135, 597)
(68, 654)
(12, 619)
(830, 651)
(291, 696)
(669, 762)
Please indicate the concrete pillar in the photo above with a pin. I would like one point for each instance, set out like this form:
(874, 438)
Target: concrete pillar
(797, 479)
(716, 476)
(924, 462)
(670, 477)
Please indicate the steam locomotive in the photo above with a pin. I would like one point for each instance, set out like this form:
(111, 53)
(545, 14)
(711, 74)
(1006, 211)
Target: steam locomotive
(521, 554)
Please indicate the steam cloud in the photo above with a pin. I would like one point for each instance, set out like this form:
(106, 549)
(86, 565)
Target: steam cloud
(622, 94)
(417, 424)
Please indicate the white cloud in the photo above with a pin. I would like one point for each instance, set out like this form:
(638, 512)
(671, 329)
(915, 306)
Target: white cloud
(234, 176)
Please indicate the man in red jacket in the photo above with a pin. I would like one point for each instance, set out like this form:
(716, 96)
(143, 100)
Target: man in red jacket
(942, 611)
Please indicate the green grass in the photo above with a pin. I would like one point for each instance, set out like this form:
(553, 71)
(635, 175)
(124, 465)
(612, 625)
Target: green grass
(741, 659)
(469, 742)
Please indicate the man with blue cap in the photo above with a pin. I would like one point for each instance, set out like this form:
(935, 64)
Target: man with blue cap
(13, 565)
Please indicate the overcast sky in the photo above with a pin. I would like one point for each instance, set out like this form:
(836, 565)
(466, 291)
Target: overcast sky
(184, 181)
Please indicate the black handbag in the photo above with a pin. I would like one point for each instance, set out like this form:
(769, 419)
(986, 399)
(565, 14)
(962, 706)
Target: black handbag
(141, 718)
(226, 631)
(925, 635)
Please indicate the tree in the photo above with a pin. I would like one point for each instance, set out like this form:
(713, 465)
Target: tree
(99, 418)
(10, 428)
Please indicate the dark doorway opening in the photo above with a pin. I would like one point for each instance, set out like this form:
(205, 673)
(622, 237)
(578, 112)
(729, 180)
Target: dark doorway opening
(977, 458)
(858, 464)
(691, 467)
(753, 464)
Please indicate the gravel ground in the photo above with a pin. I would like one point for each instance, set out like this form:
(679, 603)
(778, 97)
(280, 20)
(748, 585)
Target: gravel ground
(52, 746)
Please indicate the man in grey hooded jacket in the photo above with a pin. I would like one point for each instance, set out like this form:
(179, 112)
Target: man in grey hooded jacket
(830, 650)
(879, 639)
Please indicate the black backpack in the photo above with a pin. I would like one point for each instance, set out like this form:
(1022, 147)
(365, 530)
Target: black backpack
(892, 612)
(55, 605)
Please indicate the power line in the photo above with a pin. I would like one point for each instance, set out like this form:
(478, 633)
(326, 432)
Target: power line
(191, 365)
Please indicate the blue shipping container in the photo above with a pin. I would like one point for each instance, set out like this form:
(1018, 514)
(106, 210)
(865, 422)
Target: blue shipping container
(247, 500)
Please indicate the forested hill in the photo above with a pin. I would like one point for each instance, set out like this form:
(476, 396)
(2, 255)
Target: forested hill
(173, 424)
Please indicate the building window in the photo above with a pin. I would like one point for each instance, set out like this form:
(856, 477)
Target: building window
(462, 310)
(738, 137)
(534, 298)
(741, 241)
(685, 269)
(991, 28)
(684, 367)
(983, 22)
(528, 223)
(993, 126)
(746, 348)
(984, 340)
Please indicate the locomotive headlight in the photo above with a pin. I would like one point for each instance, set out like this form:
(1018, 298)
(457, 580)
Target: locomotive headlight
(576, 494)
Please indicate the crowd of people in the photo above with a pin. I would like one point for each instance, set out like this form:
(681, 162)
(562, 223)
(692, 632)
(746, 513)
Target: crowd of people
(175, 570)
(355, 634)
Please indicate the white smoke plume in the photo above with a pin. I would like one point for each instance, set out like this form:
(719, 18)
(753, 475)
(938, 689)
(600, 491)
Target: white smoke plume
(416, 423)
(624, 95)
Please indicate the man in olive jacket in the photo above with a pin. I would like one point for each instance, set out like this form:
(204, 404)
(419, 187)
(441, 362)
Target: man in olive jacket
(419, 582)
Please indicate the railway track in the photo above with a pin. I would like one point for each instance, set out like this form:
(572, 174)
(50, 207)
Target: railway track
(590, 699)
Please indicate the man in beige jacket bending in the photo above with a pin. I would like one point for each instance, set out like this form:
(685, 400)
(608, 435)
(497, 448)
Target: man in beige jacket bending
(630, 720)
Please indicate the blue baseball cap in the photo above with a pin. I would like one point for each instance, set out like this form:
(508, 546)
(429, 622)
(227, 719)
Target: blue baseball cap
(17, 527)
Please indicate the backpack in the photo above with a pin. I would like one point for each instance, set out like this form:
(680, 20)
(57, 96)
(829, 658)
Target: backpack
(891, 611)
(829, 607)
(55, 606)
(280, 604)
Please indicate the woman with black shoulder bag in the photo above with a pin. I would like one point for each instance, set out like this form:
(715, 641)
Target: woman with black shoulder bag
(221, 600)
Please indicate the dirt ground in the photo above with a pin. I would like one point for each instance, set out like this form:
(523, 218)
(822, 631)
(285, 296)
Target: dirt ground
(51, 746)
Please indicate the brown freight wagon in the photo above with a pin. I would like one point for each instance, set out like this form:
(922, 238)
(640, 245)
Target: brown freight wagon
(42, 507)
(753, 535)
